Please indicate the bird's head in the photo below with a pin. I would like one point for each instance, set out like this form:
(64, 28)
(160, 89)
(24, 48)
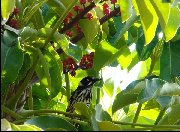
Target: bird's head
(88, 81)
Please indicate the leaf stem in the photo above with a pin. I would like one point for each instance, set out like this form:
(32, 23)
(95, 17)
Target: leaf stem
(10, 112)
(30, 99)
(13, 101)
(68, 91)
(161, 113)
(98, 96)
(32, 112)
(137, 114)
(58, 23)
(147, 125)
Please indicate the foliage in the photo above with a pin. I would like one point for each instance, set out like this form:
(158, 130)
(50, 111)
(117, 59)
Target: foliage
(47, 47)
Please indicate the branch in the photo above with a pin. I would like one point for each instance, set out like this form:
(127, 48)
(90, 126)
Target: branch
(32, 112)
(77, 18)
(147, 125)
(10, 112)
(136, 115)
(113, 13)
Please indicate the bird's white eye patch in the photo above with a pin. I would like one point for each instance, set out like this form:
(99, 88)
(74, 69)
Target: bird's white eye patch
(80, 84)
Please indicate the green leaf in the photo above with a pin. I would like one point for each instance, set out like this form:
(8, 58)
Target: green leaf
(151, 104)
(149, 91)
(25, 127)
(103, 55)
(42, 71)
(57, 6)
(171, 117)
(91, 30)
(162, 10)
(38, 20)
(55, 70)
(6, 8)
(51, 121)
(169, 89)
(108, 126)
(149, 19)
(94, 121)
(109, 87)
(82, 109)
(5, 125)
(169, 61)
(135, 87)
(125, 58)
(101, 115)
(126, 9)
(9, 38)
(28, 34)
(129, 23)
(121, 100)
(40, 92)
(173, 23)
(12, 64)
(25, 67)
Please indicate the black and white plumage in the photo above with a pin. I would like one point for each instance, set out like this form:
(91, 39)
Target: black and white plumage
(82, 93)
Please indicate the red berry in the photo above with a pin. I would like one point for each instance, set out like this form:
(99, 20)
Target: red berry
(113, 1)
(82, 1)
(70, 15)
(78, 28)
(105, 5)
(69, 33)
(81, 10)
(89, 15)
(76, 8)
(66, 20)
(13, 23)
(73, 73)
(106, 11)
(16, 11)
(89, 65)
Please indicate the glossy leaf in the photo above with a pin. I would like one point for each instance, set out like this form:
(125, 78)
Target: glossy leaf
(169, 89)
(5, 125)
(55, 70)
(38, 20)
(42, 71)
(162, 10)
(109, 87)
(82, 109)
(171, 117)
(149, 92)
(149, 19)
(25, 127)
(91, 30)
(122, 100)
(169, 61)
(126, 9)
(12, 64)
(53, 122)
(173, 23)
(101, 115)
(103, 55)
(125, 57)
(6, 8)
(40, 92)
(108, 126)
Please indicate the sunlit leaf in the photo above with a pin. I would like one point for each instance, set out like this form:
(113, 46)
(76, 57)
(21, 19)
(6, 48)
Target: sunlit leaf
(149, 19)
(126, 9)
(108, 126)
(53, 122)
(6, 8)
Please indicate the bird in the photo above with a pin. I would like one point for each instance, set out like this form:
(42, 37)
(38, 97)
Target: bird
(83, 93)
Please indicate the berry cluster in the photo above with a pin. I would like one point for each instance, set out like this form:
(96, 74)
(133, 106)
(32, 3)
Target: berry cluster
(86, 61)
(12, 20)
(78, 10)
(106, 9)
(69, 65)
